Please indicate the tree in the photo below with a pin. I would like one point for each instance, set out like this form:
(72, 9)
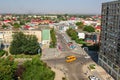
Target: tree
(19, 40)
(89, 29)
(16, 25)
(1, 19)
(2, 52)
(37, 70)
(31, 46)
(7, 68)
(53, 37)
(72, 33)
(4, 26)
(80, 25)
(26, 44)
(22, 22)
(61, 17)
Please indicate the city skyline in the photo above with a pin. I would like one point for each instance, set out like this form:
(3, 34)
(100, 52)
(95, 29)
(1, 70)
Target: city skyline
(52, 7)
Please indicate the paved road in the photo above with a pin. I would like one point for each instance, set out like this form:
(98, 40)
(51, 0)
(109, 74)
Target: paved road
(61, 42)
(73, 70)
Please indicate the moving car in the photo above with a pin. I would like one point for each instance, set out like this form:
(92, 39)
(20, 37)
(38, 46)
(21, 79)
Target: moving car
(70, 58)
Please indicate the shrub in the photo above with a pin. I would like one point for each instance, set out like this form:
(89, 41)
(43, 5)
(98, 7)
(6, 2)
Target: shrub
(2, 52)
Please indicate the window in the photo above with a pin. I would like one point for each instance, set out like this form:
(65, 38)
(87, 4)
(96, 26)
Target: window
(109, 63)
(105, 59)
(100, 56)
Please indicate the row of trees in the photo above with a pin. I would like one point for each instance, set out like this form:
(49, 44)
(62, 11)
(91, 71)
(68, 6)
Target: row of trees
(85, 27)
(53, 38)
(89, 29)
(15, 25)
(26, 44)
(72, 33)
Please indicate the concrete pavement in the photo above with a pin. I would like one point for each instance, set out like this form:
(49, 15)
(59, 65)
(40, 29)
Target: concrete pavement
(58, 74)
(48, 53)
(98, 72)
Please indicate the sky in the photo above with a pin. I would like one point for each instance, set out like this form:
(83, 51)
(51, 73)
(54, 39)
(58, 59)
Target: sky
(52, 6)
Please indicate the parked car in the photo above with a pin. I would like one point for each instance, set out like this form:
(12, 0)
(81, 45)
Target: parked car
(93, 78)
(87, 57)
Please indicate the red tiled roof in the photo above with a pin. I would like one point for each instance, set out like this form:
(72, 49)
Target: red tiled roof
(98, 27)
(27, 27)
(7, 21)
(72, 18)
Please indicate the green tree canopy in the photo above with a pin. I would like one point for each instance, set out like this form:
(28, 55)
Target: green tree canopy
(37, 70)
(31, 45)
(53, 38)
(26, 44)
(19, 41)
(80, 25)
(72, 33)
(7, 68)
(16, 25)
(2, 52)
(89, 29)
(4, 26)
(22, 22)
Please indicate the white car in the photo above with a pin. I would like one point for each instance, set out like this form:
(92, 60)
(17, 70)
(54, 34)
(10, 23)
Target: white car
(87, 56)
(93, 78)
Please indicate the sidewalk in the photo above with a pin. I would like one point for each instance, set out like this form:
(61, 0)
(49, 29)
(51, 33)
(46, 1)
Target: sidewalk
(98, 72)
(50, 53)
(103, 73)
(58, 74)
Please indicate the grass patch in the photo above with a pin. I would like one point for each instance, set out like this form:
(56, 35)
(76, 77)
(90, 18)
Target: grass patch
(25, 56)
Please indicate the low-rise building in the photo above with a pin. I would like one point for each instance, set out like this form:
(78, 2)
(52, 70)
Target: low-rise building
(46, 37)
(6, 35)
(92, 38)
(81, 35)
(98, 28)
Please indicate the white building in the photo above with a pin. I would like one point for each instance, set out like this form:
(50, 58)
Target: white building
(81, 35)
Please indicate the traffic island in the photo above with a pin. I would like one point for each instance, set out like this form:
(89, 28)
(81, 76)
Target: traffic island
(91, 67)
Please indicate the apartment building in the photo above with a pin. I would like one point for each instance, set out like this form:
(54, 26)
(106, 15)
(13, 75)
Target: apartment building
(109, 55)
(6, 35)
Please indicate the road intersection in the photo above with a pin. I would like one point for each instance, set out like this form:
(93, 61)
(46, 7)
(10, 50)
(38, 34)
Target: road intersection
(76, 70)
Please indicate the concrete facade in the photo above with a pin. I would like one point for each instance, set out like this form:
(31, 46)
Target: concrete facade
(6, 35)
(109, 55)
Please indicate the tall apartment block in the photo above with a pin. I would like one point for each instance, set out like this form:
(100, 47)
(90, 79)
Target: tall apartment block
(109, 55)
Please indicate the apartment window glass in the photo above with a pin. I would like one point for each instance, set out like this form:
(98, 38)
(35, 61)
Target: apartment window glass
(105, 59)
(109, 63)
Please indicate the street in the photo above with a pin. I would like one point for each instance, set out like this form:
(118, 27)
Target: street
(76, 70)
(73, 70)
